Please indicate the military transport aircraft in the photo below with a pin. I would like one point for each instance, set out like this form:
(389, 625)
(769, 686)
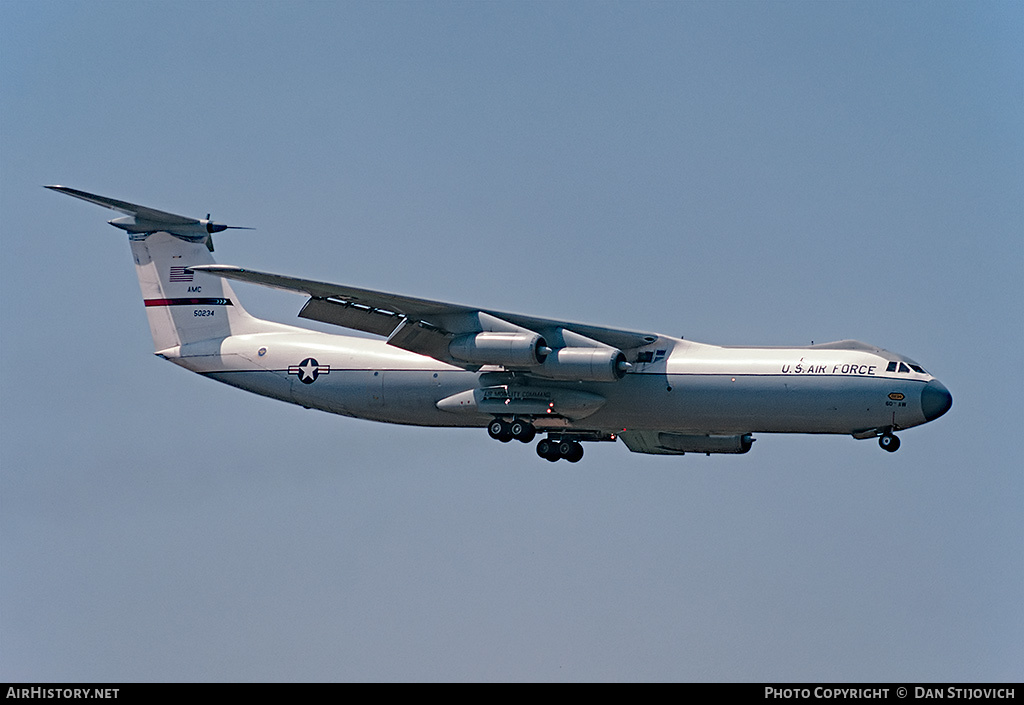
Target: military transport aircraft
(517, 376)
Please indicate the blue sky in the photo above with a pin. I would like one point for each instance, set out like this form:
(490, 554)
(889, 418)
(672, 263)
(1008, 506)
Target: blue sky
(734, 172)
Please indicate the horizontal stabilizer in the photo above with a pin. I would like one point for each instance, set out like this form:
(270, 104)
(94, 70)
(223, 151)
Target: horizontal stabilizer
(140, 212)
(143, 220)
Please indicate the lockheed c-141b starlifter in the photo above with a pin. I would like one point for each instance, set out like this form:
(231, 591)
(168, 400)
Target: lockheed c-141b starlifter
(518, 376)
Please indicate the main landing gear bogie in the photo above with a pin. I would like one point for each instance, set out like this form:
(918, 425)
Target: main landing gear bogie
(551, 449)
(505, 431)
(554, 451)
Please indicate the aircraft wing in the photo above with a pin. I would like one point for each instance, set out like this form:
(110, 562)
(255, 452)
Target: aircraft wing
(424, 326)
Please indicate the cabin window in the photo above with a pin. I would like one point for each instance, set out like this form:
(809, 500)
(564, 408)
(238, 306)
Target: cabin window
(891, 367)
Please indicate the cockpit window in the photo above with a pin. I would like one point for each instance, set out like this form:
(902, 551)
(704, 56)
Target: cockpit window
(903, 369)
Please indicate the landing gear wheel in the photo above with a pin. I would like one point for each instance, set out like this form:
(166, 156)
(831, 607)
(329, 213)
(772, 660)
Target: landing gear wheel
(574, 454)
(889, 442)
(548, 450)
(500, 430)
(522, 431)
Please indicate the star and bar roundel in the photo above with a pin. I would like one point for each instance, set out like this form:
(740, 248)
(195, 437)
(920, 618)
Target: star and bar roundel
(308, 370)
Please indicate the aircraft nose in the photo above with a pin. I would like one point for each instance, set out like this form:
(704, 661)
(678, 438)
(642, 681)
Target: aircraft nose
(935, 400)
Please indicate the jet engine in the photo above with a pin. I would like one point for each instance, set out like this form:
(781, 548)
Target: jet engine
(589, 364)
(519, 349)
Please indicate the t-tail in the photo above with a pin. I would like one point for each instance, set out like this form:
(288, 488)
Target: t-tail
(182, 306)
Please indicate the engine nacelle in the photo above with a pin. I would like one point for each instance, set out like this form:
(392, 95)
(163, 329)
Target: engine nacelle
(585, 364)
(521, 349)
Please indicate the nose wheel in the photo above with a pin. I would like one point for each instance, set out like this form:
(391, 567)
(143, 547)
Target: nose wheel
(889, 442)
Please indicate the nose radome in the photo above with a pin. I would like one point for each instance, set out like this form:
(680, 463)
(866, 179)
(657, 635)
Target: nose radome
(935, 400)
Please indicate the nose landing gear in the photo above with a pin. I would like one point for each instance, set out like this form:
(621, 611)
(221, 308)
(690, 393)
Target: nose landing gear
(889, 442)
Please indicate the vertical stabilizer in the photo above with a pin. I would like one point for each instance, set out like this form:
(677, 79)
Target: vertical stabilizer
(182, 306)
(185, 306)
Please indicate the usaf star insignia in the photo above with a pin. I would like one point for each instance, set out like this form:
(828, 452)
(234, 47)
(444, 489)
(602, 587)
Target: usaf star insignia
(308, 370)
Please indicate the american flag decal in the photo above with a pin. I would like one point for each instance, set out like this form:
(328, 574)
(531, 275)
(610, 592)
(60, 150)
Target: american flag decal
(178, 274)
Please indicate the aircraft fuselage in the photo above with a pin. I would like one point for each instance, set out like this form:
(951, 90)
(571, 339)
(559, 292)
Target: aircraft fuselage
(690, 388)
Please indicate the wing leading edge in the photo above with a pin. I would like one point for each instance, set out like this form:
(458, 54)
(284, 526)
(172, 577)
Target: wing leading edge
(459, 335)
